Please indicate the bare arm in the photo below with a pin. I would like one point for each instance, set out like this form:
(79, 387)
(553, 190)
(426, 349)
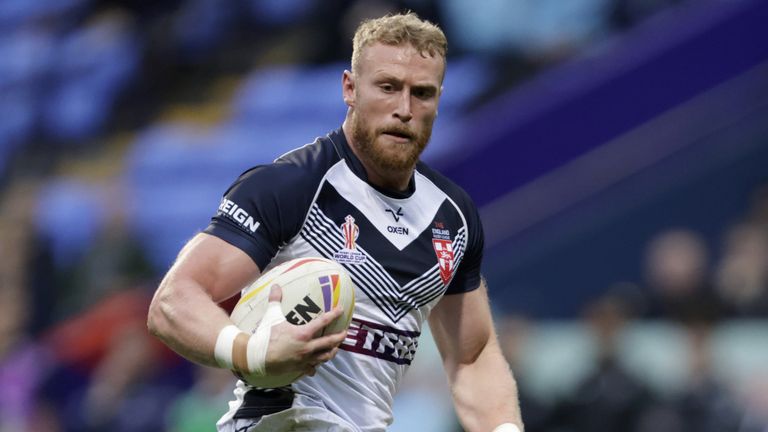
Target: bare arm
(484, 390)
(184, 313)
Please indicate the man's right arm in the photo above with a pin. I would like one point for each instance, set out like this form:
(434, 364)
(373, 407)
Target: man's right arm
(185, 315)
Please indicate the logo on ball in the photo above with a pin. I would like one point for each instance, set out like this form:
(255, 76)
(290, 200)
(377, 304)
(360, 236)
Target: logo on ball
(330, 286)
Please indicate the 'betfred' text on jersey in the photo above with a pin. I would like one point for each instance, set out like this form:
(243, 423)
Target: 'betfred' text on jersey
(380, 341)
(239, 215)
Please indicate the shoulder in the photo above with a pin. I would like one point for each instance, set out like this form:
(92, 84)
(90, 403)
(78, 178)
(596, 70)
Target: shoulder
(312, 156)
(299, 170)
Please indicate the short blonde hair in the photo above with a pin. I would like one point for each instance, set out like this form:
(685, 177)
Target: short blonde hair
(400, 29)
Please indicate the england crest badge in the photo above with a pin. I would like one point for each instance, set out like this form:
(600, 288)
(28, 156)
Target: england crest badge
(441, 242)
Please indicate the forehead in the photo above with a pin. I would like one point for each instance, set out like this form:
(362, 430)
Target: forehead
(401, 61)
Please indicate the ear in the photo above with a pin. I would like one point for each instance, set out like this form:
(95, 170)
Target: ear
(348, 88)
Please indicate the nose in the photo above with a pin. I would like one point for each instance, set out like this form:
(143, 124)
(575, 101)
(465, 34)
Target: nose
(403, 109)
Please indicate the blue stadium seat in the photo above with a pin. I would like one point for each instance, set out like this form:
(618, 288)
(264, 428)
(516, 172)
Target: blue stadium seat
(164, 216)
(280, 12)
(69, 215)
(200, 25)
(290, 92)
(18, 113)
(262, 142)
(182, 153)
(94, 64)
(16, 13)
(25, 58)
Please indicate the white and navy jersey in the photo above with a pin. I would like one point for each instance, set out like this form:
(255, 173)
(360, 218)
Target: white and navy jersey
(404, 251)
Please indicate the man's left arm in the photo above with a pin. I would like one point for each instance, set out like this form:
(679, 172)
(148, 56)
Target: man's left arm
(483, 388)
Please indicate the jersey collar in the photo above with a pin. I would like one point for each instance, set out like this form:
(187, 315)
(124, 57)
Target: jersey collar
(339, 141)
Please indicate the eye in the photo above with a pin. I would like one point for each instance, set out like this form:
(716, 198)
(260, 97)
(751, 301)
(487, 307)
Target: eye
(387, 87)
(423, 93)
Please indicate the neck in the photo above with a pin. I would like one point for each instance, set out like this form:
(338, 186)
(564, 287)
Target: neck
(383, 178)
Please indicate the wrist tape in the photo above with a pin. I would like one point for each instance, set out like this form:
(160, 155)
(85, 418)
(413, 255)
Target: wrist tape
(506, 427)
(258, 343)
(225, 343)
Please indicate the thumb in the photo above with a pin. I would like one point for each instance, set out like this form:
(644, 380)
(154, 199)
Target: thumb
(275, 293)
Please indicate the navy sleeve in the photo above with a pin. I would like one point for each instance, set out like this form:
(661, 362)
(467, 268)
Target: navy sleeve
(467, 277)
(264, 209)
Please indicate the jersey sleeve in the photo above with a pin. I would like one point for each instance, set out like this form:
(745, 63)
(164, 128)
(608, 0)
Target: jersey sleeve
(263, 209)
(467, 277)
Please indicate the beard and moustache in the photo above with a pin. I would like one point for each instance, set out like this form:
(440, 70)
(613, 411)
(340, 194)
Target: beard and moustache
(402, 156)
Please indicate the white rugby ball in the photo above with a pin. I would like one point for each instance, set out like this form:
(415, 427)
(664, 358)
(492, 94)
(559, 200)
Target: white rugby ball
(311, 286)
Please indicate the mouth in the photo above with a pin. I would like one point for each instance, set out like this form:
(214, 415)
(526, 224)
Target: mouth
(398, 135)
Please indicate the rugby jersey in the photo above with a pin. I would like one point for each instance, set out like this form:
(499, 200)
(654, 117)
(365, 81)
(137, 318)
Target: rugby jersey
(403, 251)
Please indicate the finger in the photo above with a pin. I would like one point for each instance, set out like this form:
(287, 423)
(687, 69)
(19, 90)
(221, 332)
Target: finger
(275, 293)
(323, 320)
(321, 355)
(325, 356)
(326, 343)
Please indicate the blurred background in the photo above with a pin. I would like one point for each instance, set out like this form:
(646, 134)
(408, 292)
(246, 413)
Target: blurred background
(617, 150)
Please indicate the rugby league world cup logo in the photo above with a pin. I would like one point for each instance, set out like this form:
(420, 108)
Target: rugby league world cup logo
(349, 254)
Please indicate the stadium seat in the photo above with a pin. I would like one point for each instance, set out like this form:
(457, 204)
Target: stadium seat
(200, 25)
(17, 119)
(17, 13)
(25, 58)
(94, 64)
(69, 215)
(280, 12)
(290, 91)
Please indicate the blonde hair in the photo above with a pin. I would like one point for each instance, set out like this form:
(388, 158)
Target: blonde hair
(400, 29)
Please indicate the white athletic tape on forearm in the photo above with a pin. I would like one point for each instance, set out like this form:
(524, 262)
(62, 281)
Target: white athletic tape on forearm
(259, 342)
(222, 352)
(506, 427)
